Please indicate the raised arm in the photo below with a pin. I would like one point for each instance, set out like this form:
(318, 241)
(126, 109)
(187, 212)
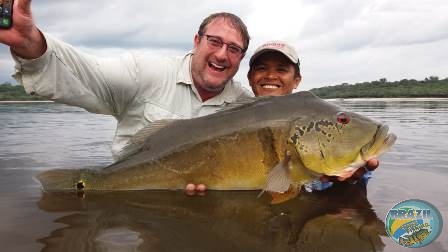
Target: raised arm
(53, 69)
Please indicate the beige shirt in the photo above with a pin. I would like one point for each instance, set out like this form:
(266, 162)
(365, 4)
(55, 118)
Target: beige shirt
(136, 89)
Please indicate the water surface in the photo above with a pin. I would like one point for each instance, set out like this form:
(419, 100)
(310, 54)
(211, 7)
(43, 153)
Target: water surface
(40, 136)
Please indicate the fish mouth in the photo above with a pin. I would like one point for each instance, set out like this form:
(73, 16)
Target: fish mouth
(380, 143)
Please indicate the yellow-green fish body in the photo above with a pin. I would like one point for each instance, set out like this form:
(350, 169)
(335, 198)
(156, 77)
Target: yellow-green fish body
(272, 143)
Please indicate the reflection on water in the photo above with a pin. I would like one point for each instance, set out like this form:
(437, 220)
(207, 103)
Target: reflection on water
(341, 219)
(36, 137)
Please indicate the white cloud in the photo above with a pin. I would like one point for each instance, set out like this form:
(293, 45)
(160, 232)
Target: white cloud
(338, 41)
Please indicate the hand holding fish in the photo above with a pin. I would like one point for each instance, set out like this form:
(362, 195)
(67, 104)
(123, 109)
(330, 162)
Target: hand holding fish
(371, 165)
(192, 189)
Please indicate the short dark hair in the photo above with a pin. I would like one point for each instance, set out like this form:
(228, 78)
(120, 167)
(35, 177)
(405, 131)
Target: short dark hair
(234, 20)
(296, 68)
(297, 72)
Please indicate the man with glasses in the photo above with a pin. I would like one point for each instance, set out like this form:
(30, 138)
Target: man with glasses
(136, 89)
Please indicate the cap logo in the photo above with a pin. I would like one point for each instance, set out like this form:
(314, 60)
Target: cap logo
(274, 44)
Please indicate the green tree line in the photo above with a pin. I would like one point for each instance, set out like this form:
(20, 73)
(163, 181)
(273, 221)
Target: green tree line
(429, 87)
(10, 92)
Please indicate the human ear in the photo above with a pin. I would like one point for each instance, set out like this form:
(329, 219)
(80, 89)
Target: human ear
(196, 40)
(249, 74)
(297, 80)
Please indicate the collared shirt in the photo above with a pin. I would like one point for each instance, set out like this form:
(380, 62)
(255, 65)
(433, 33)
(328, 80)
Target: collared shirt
(136, 89)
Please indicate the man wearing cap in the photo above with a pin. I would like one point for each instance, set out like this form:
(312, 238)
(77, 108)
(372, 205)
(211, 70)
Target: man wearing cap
(275, 71)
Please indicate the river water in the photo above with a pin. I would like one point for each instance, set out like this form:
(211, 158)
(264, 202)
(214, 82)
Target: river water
(39, 136)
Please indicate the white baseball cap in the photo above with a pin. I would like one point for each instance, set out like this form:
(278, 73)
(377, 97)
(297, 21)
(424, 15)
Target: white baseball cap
(277, 46)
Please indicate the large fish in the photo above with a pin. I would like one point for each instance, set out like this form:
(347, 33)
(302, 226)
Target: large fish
(272, 143)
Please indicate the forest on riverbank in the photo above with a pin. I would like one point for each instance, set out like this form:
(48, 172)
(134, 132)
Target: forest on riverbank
(10, 92)
(429, 87)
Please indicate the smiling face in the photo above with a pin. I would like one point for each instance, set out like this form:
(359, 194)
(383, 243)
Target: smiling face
(212, 67)
(272, 73)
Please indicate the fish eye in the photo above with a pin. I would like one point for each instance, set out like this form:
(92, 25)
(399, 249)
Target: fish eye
(343, 118)
(80, 185)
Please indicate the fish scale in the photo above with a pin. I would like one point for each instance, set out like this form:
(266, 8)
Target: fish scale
(259, 144)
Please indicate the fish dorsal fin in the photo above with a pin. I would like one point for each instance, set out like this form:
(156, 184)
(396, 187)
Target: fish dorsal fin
(138, 140)
(242, 103)
(249, 101)
(150, 129)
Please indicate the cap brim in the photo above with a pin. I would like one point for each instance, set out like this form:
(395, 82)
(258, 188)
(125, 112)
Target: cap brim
(257, 54)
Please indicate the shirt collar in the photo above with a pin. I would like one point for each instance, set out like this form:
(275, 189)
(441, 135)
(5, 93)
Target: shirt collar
(184, 72)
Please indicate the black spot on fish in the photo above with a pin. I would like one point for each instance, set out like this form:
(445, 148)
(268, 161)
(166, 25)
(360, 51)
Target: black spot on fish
(310, 127)
(80, 186)
(339, 126)
(322, 154)
(295, 138)
(322, 123)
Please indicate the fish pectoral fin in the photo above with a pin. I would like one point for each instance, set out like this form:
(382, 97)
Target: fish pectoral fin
(279, 179)
(291, 193)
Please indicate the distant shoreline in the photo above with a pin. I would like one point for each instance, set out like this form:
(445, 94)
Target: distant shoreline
(389, 98)
(29, 101)
(328, 99)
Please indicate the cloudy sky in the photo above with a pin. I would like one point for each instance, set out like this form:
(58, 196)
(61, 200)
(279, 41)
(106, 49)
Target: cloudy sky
(344, 41)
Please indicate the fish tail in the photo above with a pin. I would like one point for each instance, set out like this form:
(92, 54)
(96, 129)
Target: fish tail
(62, 180)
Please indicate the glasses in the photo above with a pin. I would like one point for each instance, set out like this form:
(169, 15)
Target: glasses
(217, 43)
